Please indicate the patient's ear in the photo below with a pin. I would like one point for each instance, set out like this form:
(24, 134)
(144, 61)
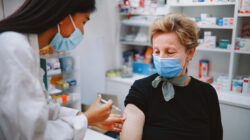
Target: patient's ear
(190, 54)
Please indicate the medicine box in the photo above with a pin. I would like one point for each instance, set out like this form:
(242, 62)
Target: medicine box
(207, 33)
(141, 68)
(228, 21)
(210, 41)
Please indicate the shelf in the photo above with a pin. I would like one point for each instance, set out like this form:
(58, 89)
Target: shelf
(202, 4)
(243, 15)
(55, 91)
(51, 73)
(137, 23)
(148, 23)
(141, 14)
(215, 27)
(55, 55)
(135, 43)
(242, 51)
(213, 49)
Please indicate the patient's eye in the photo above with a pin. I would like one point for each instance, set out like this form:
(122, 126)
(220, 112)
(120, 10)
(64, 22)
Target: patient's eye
(171, 52)
(156, 52)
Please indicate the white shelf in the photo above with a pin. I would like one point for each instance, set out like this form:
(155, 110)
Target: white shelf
(244, 15)
(55, 91)
(51, 73)
(202, 4)
(137, 23)
(135, 43)
(148, 23)
(213, 49)
(215, 27)
(242, 51)
(141, 14)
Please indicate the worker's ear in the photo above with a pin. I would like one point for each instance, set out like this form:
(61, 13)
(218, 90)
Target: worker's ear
(64, 21)
(190, 54)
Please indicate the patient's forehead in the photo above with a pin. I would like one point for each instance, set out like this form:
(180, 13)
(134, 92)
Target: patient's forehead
(167, 41)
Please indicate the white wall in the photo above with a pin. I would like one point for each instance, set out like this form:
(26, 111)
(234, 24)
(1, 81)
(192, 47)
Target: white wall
(98, 49)
(1, 9)
(103, 23)
(12, 6)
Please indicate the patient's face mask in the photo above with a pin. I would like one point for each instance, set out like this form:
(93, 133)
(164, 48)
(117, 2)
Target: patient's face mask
(60, 43)
(168, 67)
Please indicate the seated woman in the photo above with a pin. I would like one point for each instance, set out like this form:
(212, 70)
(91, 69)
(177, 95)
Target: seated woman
(170, 105)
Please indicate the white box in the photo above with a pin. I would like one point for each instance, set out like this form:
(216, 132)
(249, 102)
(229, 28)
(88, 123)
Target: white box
(172, 1)
(245, 85)
(244, 6)
(207, 33)
(204, 15)
(211, 20)
(186, 1)
(227, 21)
(210, 41)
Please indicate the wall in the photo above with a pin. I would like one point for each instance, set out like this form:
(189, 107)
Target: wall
(12, 6)
(98, 49)
(1, 9)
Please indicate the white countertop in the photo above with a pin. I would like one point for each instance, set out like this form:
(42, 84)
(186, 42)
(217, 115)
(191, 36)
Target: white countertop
(128, 81)
(234, 99)
(93, 135)
(229, 98)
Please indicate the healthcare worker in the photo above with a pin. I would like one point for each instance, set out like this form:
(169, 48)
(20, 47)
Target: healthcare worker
(25, 111)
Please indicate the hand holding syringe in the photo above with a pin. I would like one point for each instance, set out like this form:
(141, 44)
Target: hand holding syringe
(113, 106)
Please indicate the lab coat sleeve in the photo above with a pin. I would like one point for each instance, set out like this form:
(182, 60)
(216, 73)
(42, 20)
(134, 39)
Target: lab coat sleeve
(58, 115)
(65, 111)
(57, 111)
(76, 128)
(24, 111)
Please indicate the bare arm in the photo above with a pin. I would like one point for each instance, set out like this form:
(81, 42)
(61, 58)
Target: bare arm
(133, 126)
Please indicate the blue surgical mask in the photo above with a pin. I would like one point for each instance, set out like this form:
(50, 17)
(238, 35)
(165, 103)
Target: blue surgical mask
(167, 67)
(59, 43)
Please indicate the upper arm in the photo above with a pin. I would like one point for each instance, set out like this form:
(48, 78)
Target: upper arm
(133, 126)
(138, 95)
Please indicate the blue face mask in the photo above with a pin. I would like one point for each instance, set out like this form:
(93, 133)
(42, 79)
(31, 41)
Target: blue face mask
(167, 67)
(59, 43)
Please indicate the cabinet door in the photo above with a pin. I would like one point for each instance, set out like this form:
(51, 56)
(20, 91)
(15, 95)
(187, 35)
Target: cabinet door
(118, 89)
(236, 122)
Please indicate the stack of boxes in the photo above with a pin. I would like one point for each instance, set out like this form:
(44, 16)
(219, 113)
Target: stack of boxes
(244, 6)
(205, 19)
(209, 40)
(242, 44)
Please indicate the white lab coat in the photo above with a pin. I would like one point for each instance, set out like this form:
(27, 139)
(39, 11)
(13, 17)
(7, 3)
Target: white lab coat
(25, 112)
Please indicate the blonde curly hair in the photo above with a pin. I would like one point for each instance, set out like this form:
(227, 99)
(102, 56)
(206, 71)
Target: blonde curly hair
(186, 29)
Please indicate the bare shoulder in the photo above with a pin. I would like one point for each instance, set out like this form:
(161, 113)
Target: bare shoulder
(132, 109)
